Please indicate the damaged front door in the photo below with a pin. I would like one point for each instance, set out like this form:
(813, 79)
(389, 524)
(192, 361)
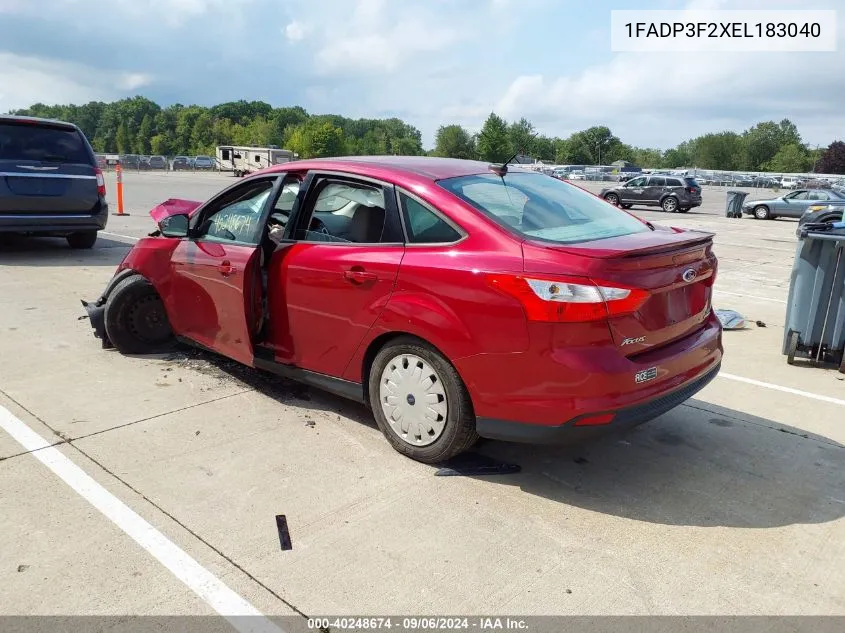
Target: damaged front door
(216, 293)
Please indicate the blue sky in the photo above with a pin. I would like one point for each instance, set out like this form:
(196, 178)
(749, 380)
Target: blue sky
(429, 62)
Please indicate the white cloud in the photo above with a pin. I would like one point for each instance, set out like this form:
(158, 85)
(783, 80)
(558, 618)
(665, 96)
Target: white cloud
(381, 39)
(653, 98)
(295, 31)
(26, 80)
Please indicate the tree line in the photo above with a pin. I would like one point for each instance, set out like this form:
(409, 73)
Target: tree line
(140, 126)
(767, 146)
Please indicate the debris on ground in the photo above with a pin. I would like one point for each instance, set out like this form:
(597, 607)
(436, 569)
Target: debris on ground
(760, 324)
(731, 319)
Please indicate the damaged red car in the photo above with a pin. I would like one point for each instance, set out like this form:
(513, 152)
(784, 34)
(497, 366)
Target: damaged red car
(455, 299)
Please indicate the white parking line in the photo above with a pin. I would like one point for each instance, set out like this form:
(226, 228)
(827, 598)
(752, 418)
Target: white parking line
(742, 294)
(196, 577)
(125, 237)
(768, 385)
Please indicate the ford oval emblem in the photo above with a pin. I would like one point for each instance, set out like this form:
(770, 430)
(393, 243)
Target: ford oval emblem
(689, 275)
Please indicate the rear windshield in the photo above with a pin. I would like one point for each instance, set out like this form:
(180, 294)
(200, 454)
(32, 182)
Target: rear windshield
(28, 141)
(540, 207)
(690, 182)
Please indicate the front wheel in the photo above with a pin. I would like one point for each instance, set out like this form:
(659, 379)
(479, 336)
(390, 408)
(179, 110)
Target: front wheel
(612, 198)
(420, 402)
(762, 213)
(82, 239)
(670, 204)
(135, 318)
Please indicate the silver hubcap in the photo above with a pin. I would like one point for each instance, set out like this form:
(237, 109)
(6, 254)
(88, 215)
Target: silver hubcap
(670, 205)
(761, 213)
(613, 199)
(413, 399)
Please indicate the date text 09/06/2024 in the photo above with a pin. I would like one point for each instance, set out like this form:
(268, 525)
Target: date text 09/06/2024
(419, 623)
(724, 29)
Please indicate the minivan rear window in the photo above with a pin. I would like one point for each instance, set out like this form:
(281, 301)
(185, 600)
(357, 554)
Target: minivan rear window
(49, 144)
(537, 206)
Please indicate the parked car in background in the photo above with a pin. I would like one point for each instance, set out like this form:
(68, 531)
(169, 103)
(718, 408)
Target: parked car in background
(790, 205)
(671, 193)
(575, 340)
(130, 161)
(157, 162)
(577, 175)
(50, 182)
(815, 183)
(180, 163)
(204, 163)
(788, 182)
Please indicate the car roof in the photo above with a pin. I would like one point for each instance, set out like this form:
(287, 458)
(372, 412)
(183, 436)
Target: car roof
(425, 167)
(12, 118)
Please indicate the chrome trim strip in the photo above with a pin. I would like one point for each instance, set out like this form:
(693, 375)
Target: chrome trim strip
(16, 174)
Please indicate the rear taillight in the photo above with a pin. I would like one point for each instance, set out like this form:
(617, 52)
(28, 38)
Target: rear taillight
(567, 299)
(692, 189)
(101, 182)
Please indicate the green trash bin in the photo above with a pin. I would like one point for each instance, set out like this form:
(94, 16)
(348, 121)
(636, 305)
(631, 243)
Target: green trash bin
(733, 206)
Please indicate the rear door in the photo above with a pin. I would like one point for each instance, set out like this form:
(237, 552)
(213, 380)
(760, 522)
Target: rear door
(654, 189)
(330, 280)
(46, 169)
(215, 295)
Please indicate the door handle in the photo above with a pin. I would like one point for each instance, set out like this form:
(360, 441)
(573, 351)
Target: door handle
(359, 276)
(226, 268)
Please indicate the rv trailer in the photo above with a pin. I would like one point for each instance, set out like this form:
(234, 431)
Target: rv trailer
(245, 160)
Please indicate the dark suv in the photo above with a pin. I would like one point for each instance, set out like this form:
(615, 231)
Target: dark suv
(50, 183)
(672, 193)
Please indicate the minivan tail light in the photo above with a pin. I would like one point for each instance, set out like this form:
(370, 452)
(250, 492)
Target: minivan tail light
(568, 299)
(101, 182)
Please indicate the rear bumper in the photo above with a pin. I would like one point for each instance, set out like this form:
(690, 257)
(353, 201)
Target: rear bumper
(624, 418)
(54, 223)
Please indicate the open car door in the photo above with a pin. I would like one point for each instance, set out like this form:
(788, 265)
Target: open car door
(216, 297)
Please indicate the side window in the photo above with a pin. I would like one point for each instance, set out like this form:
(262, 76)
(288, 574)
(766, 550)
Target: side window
(673, 182)
(236, 217)
(225, 154)
(424, 226)
(637, 182)
(800, 196)
(656, 181)
(817, 195)
(345, 212)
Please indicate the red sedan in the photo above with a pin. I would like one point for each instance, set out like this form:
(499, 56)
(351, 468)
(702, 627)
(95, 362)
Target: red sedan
(454, 298)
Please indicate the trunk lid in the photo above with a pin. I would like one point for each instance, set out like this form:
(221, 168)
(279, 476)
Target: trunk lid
(677, 268)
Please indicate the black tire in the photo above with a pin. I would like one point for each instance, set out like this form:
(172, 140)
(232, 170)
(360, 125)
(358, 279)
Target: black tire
(761, 212)
(82, 239)
(627, 206)
(459, 431)
(135, 318)
(612, 198)
(670, 204)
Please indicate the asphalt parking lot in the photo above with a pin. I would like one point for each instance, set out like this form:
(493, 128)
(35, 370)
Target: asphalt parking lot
(734, 503)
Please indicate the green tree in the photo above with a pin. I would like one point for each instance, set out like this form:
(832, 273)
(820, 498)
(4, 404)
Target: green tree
(161, 144)
(145, 133)
(792, 158)
(327, 140)
(522, 136)
(123, 139)
(494, 143)
(644, 157)
(453, 141)
(832, 160)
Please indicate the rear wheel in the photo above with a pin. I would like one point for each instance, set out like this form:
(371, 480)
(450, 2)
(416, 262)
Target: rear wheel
(136, 320)
(670, 204)
(82, 239)
(762, 212)
(420, 402)
(612, 198)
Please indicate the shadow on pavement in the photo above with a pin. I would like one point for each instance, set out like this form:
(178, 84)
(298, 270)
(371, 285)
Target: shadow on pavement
(54, 251)
(698, 465)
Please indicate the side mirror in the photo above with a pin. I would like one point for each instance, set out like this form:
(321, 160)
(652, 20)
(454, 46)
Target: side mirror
(174, 225)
